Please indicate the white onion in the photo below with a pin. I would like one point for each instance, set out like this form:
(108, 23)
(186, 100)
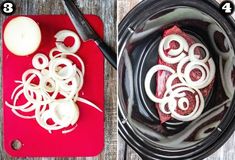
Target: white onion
(181, 103)
(58, 75)
(185, 77)
(79, 77)
(199, 106)
(76, 56)
(18, 106)
(175, 94)
(36, 61)
(29, 109)
(46, 98)
(17, 96)
(64, 112)
(192, 66)
(55, 63)
(22, 116)
(228, 68)
(148, 78)
(69, 130)
(212, 29)
(73, 90)
(22, 36)
(42, 118)
(180, 67)
(48, 80)
(192, 55)
(211, 72)
(51, 54)
(15, 90)
(169, 84)
(61, 36)
(162, 107)
(183, 45)
(88, 103)
(180, 55)
(34, 73)
(203, 69)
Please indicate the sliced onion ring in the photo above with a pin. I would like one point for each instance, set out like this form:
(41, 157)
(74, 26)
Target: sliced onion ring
(35, 73)
(172, 60)
(148, 78)
(55, 63)
(36, 61)
(183, 45)
(64, 78)
(192, 55)
(76, 56)
(61, 36)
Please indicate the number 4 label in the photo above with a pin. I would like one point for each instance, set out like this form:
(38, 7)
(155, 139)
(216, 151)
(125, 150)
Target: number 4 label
(227, 7)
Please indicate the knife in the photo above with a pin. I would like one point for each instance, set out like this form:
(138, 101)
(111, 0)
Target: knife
(86, 32)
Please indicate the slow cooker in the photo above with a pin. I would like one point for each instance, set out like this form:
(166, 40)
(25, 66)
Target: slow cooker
(139, 36)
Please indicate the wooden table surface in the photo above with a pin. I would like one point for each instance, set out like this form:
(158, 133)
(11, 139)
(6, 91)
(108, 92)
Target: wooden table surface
(226, 152)
(106, 9)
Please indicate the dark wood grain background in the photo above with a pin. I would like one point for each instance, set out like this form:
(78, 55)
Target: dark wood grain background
(106, 9)
(226, 152)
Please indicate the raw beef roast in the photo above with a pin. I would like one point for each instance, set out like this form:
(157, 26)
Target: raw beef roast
(162, 76)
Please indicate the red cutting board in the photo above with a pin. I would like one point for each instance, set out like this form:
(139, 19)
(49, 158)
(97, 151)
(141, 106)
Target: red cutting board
(88, 138)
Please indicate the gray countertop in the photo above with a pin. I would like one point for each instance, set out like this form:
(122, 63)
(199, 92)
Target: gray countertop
(106, 9)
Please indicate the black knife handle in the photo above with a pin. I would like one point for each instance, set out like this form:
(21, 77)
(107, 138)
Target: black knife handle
(108, 53)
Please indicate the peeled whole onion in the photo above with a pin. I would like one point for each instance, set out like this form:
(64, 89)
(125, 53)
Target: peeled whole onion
(22, 36)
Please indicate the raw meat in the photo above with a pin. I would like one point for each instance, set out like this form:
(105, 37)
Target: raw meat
(162, 76)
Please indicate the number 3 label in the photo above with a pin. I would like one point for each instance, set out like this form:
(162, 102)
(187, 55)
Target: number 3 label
(8, 7)
(227, 7)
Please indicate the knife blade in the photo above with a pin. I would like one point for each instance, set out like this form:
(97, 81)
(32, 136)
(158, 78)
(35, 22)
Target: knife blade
(86, 32)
